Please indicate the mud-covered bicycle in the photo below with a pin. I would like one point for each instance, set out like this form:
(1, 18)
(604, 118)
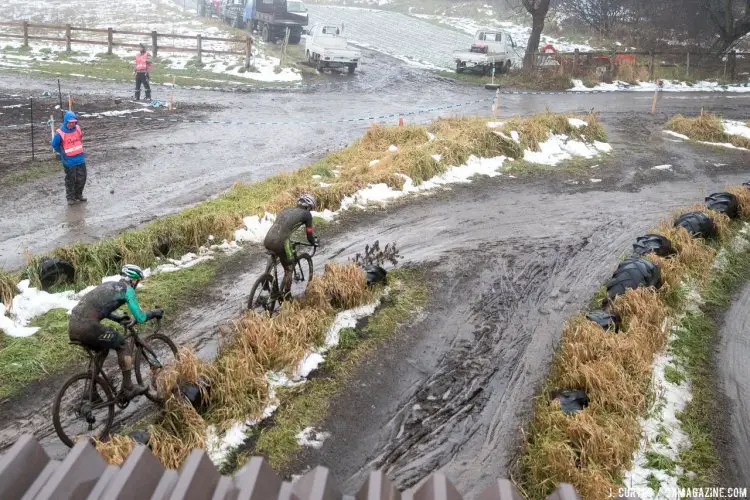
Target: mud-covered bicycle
(266, 292)
(89, 398)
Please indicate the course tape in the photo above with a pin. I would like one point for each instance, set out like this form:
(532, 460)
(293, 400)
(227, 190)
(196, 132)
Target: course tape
(320, 122)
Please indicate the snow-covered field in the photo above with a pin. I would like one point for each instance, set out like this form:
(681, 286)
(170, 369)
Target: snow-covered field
(162, 16)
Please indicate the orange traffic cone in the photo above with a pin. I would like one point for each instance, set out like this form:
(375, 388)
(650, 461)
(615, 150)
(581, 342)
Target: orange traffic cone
(401, 121)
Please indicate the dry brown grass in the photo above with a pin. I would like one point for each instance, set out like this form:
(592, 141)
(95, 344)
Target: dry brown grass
(256, 345)
(706, 127)
(743, 197)
(589, 449)
(116, 449)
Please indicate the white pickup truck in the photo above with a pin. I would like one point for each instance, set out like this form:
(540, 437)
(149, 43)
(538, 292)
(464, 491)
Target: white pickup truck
(325, 47)
(490, 47)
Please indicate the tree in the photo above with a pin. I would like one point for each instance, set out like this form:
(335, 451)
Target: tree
(731, 20)
(538, 10)
(601, 15)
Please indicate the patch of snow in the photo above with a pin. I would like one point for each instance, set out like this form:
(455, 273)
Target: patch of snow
(514, 135)
(437, 157)
(662, 167)
(558, 148)
(741, 129)
(374, 162)
(676, 134)
(495, 124)
(667, 86)
(326, 215)
(577, 122)
(393, 148)
(30, 303)
(219, 447)
(727, 145)
(255, 229)
(595, 181)
(311, 438)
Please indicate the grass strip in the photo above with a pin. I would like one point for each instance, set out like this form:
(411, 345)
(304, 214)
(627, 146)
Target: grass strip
(592, 448)
(342, 172)
(707, 128)
(307, 405)
(256, 345)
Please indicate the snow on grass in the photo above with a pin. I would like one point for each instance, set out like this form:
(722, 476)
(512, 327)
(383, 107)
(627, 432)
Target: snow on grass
(676, 134)
(558, 148)
(663, 438)
(662, 167)
(668, 86)
(32, 302)
(220, 447)
(311, 438)
(733, 127)
(163, 16)
(577, 122)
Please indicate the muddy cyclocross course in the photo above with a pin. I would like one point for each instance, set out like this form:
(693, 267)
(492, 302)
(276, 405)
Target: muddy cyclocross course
(509, 260)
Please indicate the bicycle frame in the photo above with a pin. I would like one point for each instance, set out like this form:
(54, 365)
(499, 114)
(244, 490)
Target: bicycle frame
(272, 267)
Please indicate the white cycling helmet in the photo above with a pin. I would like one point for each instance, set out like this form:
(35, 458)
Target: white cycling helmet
(306, 201)
(132, 272)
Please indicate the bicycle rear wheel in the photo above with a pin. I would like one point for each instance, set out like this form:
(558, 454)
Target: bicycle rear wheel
(262, 297)
(157, 353)
(75, 415)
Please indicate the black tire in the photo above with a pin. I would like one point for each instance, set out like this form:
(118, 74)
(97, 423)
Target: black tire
(319, 65)
(310, 59)
(295, 37)
(260, 295)
(76, 397)
(166, 354)
(725, 203)
(459, 68)
(653, 243)
(506, 67)
(350, 68)
(300, 281)
(698, 224)
(265, 33)
(633, 273)
(607, 320)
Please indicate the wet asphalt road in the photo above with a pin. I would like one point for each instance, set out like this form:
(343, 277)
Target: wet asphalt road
(159, 172)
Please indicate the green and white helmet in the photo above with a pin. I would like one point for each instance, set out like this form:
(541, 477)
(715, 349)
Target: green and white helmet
(132, 272)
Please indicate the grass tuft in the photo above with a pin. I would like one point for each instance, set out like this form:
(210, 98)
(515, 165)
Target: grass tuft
(706, 127)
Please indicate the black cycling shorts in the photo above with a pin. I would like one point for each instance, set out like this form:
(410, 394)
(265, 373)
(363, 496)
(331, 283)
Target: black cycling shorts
(96, 336)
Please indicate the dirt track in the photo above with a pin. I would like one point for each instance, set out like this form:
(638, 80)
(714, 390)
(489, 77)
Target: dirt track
(734, 382)
(511, 258)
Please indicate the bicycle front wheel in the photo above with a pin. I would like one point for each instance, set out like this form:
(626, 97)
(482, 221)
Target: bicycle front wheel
(262, 296)
(303, 273)
(76, 414)
(157, 353)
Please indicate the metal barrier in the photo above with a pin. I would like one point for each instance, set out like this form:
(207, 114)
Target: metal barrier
(27, 472)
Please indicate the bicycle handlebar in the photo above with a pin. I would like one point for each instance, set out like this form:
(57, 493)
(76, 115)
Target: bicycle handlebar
(305, 244)
(129, 326)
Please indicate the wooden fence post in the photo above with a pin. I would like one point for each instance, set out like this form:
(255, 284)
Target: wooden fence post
(154, 44)
(25, 33)
(651, 66)
(248, 51)
(109, 41)
(200, 47)
(67, 38)
(576, 61)
(733, 65)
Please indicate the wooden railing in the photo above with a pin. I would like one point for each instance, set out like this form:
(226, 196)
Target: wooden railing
(26, 471)
(24, 28)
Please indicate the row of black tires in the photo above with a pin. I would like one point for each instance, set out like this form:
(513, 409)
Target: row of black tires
(637, 272)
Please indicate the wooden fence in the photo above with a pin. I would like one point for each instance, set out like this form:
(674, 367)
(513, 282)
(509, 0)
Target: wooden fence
(26, 472)
(68, 39)
(653, 65)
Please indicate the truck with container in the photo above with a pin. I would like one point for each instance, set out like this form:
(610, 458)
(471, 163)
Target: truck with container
(272, 18)
(491, 48)
(326, 47)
